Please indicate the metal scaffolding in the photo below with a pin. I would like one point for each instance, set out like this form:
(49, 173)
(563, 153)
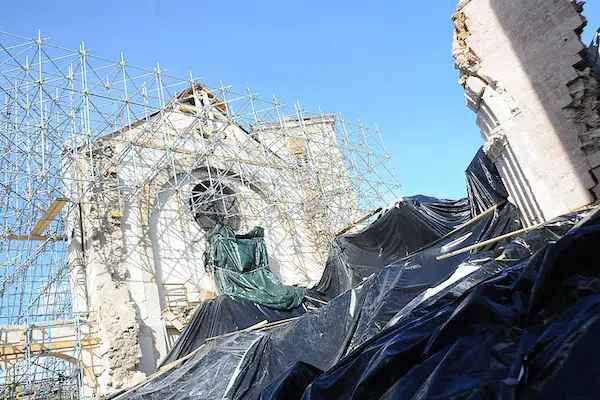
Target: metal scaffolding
(75, 126)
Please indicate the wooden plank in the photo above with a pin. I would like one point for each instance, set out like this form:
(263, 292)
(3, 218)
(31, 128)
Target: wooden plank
(33, 237)
(173, 320)
(48, 216)
(485, 242)
(145, 204)
(475, 218)
(116, 214)
(19, 350)
(316, 300)
(358, 221)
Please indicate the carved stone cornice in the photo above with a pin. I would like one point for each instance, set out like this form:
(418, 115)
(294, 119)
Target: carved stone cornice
(495, 145)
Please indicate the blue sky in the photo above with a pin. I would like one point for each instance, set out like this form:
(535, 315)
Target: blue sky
(387, 62)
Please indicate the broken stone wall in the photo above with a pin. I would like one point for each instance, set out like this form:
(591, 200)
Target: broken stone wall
(526, 75)
(585, 93)
(141, 240)
(110, 301)
(140, 235)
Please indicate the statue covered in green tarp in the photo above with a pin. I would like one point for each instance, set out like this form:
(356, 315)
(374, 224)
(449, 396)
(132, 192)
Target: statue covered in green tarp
(240, 268)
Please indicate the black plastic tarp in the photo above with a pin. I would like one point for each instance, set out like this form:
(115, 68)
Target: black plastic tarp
(339, 337)
(412, 223)
(484, 185)
(403, 324)
(225, 314)
(323, 337)
(530, 331)
(205, 375)
(409, 225)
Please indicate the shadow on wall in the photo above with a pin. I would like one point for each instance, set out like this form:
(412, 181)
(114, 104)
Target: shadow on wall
(533, 51)
(148, 362)
(275, 267)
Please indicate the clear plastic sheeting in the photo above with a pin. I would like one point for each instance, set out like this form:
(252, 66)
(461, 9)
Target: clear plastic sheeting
(205, 375)
(413, 223)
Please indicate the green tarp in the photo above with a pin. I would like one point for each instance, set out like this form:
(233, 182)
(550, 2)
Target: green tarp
(240, 268)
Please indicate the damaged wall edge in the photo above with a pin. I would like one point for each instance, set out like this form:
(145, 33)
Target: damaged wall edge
(111, 299)
(540, 120)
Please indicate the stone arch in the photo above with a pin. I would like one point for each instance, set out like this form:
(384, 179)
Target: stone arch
(187, 236)
(91, 383)
(214, 202)
(88, 370)
(292, 254)
(183, 165)
(495, 110)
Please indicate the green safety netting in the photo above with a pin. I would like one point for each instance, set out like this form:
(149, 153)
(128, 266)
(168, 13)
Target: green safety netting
(240, 268)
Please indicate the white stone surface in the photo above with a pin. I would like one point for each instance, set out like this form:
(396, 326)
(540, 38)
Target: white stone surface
(526, 52)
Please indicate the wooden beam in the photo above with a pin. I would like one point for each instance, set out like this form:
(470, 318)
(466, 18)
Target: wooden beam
(32, 237)
(475, 218)
(116, 214)
(486, 242)
(358, 221)
(18, 351)
(48, 216)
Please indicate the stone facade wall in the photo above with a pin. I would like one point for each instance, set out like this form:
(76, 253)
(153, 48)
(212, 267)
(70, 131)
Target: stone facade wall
(318, 167)
(139, 232)
(526, 75)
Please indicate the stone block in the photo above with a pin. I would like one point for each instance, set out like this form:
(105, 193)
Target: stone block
(594, 160)
(561, 31)
(474, 88)
(596, 173)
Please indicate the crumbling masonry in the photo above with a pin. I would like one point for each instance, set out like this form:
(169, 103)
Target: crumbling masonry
(526, 74)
